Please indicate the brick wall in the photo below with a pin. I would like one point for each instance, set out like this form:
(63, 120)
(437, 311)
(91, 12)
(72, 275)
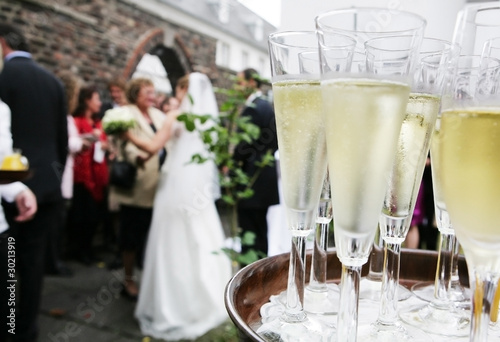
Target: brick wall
(99, 39)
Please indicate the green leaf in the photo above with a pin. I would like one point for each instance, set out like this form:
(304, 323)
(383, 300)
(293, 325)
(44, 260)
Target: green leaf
(228, 199)
(248, 258)
(247, 193)
(248, 239)
(198, 159)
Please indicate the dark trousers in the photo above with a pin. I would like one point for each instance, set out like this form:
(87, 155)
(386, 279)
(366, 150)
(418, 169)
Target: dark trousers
(55, 236)
(85, 214)
(134, 229)
(30, 243)
(254, 220)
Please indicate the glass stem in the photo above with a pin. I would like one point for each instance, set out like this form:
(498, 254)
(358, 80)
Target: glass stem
(347, 320)
(317, 280)
(444, 268)
(388, 313)
(484, 291)
(294, 311)
(455, 279)
(376, 264)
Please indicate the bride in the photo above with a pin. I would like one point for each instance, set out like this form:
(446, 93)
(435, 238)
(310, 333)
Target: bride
(182, 288)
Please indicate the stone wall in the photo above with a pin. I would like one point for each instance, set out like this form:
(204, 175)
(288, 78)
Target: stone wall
(99, 39)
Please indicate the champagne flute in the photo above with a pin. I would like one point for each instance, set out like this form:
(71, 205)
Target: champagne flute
(405, 178)
(429, 46)
(469, 167)
(365, 23)
(446, 314)
(363, 116)
(319, 297)
(476, 23)
(301, 142)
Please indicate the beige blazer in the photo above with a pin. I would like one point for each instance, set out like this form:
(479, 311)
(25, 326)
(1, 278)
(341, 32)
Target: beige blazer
(143, 192)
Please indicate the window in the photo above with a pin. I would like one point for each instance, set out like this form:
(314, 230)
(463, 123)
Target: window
(262, 65)
(244, 59)
(222, 55)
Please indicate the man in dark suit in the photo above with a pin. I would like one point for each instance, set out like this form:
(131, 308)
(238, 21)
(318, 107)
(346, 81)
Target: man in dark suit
(252, 212)
(39, 128)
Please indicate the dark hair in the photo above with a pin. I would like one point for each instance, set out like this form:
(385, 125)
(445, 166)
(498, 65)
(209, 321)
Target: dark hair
(13, 37)
(117, 82)
(252, 74)
(85, 94)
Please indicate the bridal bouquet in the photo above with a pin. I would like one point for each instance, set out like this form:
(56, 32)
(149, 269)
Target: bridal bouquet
(117, 120)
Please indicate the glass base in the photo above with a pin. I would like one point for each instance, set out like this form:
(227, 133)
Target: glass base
(276, 325)
(323, 302)
(459, 295)
(444, 320)
(308, 330)
(370, 290)
(396, 331)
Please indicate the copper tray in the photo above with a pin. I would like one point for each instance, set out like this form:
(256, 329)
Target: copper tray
(252, 286)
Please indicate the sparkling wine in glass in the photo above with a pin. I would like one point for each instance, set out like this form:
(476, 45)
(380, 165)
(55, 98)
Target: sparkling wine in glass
(470, 165)
(448, 313)
(386, 54)
(363, 116)
(364, 23)
(302, 147)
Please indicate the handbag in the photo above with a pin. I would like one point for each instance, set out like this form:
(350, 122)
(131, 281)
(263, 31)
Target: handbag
(122, 173)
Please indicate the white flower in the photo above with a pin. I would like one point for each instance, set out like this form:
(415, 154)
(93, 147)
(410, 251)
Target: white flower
(117, 120)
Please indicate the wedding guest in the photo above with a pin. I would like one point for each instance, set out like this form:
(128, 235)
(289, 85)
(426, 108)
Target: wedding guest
(136, 204)
(57, 233)
(252, 212)
(90, 173)
(39, 130)
(116, 88)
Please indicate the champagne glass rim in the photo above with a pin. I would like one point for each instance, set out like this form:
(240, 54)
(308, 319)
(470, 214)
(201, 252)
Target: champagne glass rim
(478, 62)
(422, 22)
(491, 41)
(272, 39)
(372, 47)
(469, 13)
(438, 40)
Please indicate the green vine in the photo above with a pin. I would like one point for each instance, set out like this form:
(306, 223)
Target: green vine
(220, 136)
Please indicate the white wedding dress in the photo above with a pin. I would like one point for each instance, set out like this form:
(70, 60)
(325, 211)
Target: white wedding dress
(182, 287)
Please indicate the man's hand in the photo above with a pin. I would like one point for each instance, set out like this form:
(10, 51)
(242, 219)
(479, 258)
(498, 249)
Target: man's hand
(26, 205)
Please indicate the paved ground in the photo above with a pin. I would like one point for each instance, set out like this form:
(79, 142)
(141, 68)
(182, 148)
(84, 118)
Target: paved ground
(88, 307)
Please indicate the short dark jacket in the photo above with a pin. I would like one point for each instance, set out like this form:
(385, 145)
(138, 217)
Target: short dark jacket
(266, 186)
